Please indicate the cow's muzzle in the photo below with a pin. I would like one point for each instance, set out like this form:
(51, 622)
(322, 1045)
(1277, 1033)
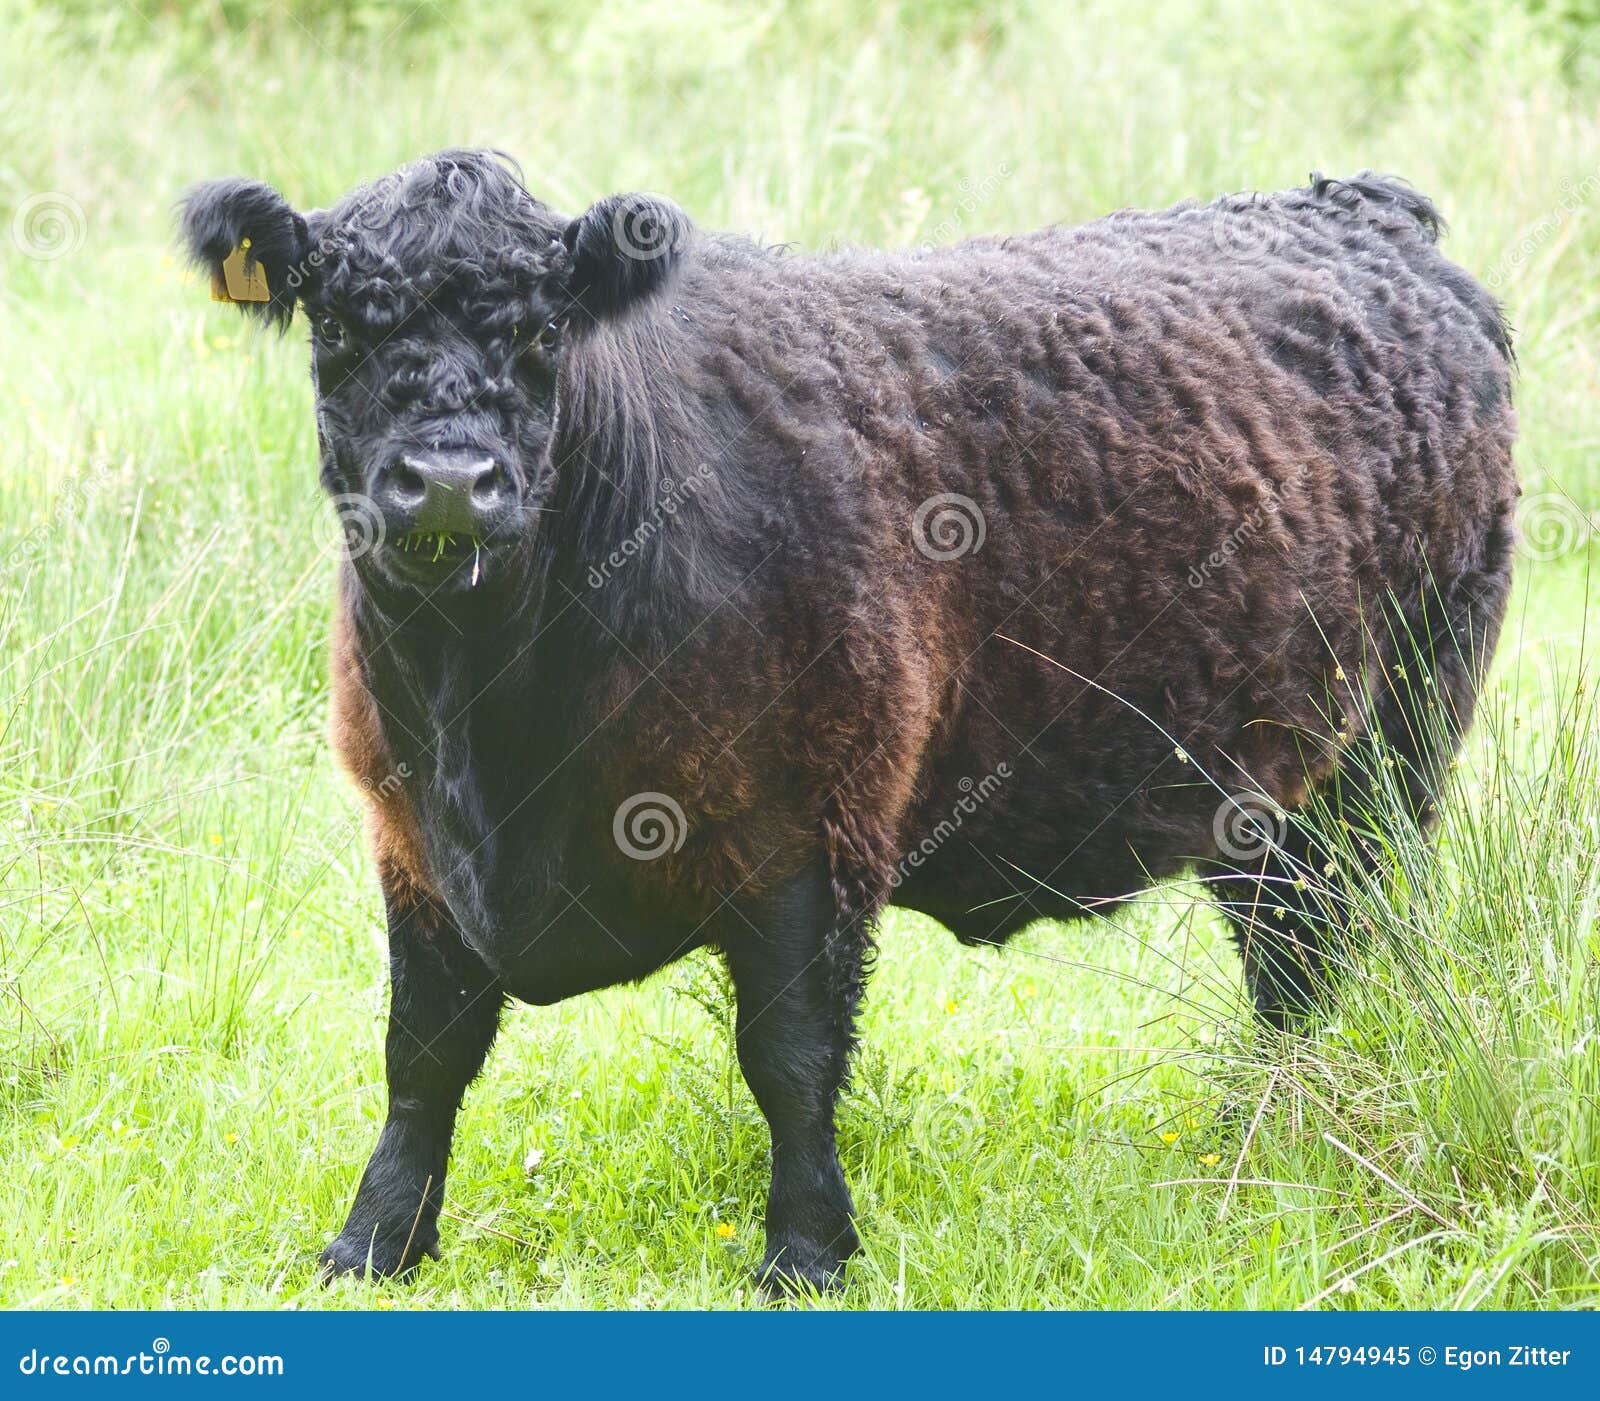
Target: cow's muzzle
(443, 506)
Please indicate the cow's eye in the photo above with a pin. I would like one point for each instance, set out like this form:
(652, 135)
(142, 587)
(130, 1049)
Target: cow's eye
(330, 330)
(550, 337)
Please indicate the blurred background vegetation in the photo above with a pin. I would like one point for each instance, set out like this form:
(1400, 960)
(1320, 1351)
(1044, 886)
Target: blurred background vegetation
(842, 121)
(191, 964)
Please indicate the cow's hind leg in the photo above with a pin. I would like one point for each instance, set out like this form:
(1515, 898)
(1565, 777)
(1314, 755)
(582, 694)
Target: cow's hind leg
(1288, 902)
(444, 1010)
(1282, 929)
(797, 981)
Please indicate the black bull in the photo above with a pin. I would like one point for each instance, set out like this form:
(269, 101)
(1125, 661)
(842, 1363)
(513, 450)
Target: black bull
(706, 595)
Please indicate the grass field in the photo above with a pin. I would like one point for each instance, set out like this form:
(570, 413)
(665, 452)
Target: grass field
(192, 975)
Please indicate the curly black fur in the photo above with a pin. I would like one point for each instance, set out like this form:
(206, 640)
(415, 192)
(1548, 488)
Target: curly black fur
(219, 215)
(1223, 457)
(622, 250)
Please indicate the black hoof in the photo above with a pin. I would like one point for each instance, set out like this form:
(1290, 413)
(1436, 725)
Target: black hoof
(797, 1273)
(380, 1258)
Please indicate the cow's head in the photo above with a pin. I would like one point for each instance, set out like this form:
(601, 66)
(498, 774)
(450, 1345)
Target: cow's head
(441, 301)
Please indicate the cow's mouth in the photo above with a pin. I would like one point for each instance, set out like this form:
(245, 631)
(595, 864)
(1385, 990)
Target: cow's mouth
(439, 546)
(434, 553)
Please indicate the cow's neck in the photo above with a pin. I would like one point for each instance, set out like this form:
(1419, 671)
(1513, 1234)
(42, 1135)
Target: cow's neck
(445, 717)
(641, 508)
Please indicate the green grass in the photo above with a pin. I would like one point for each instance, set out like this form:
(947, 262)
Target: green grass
(191, 950)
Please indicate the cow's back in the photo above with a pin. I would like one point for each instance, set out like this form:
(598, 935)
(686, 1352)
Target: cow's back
(1098, 506)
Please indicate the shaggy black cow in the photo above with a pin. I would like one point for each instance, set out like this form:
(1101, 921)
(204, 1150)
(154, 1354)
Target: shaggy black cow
(701, 594)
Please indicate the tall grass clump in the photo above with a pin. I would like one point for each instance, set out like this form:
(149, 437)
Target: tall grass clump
(1456, 1053)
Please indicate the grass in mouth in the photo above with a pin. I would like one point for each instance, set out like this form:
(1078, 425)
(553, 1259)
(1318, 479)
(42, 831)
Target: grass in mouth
(437, 544)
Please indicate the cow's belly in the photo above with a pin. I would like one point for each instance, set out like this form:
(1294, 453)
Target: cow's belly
(542, 961)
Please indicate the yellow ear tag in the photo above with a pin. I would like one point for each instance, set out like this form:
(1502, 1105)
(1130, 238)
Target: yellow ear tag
(236, 284)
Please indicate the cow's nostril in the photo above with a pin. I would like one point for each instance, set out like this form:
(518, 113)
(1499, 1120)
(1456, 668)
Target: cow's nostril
(407, 483)
(491, 484)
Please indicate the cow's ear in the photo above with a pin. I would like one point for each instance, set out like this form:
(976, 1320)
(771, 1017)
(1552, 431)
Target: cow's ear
(249, 242)
(624, 248)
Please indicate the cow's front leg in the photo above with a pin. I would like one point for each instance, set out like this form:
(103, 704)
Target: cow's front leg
(796, 1010)
(444, 1010)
